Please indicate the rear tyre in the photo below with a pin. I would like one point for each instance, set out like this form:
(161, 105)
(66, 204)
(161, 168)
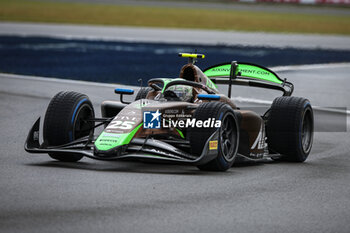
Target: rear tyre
(65, 121)
(142, 94)
(228, 135)
(290, 127)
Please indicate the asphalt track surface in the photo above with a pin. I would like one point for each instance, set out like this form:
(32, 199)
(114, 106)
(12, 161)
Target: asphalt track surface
(182, 36)
(41, 195)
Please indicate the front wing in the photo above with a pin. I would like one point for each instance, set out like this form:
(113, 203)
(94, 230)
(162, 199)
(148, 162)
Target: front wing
(137, 149)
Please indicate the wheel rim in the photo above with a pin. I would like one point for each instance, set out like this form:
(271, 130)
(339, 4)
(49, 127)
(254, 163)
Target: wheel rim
(81, 126)
(306, 132)
(228, 137)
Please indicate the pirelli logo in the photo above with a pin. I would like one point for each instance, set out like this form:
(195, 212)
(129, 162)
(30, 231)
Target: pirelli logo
(213, 145)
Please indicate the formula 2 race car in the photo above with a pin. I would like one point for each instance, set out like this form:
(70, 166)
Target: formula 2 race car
(182, 120)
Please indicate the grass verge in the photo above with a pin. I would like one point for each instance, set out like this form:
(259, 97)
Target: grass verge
(80, 13)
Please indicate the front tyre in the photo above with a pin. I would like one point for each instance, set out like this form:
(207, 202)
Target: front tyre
(290, 127)
(66, 120)
(228, 135)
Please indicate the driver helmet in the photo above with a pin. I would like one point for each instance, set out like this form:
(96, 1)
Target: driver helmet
(183, 92)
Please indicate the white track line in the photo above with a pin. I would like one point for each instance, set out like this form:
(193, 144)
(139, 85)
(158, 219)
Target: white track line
(251, 100)
(310, 67)
(57, 80)
(268, 102)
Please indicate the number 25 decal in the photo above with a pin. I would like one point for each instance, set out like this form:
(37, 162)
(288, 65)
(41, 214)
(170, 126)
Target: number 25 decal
(121, 125)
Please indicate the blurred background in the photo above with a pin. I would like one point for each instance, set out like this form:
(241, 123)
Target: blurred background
(119, 41)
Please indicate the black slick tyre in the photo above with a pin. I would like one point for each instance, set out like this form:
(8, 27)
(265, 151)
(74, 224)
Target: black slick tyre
(228, 135)
(65, 121)
(143, 93)
(289, 129)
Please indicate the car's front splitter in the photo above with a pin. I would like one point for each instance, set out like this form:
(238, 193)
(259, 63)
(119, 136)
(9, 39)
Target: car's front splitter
(138, 149)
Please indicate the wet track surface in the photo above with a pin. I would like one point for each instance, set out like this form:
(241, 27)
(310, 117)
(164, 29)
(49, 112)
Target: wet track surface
(38, 194)
(176, 36)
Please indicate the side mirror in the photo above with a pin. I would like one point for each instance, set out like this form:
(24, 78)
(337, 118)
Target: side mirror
(208, 97)
(122, 92)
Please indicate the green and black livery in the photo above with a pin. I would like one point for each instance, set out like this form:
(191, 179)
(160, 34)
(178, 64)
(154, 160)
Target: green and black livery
(284, 132)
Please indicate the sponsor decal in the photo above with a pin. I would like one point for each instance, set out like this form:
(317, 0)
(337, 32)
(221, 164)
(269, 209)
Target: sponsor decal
(175, 118)
(221, 69)
(213, 145)
(259, 142)
(258, 72)
(186, 123)
(142, 103)
(151, 119)
(119, 124)
(111, 135)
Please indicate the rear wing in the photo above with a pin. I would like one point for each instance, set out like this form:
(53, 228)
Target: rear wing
(247, 74)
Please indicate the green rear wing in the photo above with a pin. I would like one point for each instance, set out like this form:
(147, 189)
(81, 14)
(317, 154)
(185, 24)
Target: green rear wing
(247, 74)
